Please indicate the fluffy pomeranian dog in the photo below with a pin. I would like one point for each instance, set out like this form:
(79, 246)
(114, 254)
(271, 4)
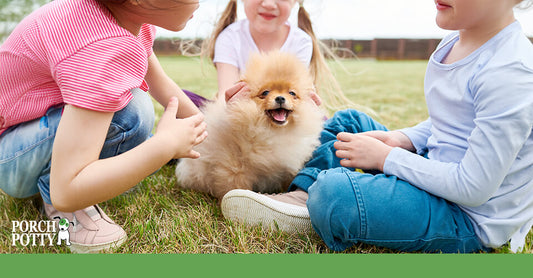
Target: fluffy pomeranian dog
(258, 142)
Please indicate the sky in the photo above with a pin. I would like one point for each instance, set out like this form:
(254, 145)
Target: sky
(348, 19)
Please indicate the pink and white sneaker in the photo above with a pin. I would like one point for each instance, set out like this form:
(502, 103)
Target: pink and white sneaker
(92, 230)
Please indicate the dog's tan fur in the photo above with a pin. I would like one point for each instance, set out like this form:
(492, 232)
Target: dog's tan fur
(249, 147)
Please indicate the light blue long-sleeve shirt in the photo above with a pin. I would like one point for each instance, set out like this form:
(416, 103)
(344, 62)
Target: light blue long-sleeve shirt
(478, 137)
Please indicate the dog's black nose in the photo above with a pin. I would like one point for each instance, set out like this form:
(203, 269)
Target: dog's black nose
(280, 100)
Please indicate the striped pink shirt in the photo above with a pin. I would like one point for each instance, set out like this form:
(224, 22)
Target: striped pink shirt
(70, 52)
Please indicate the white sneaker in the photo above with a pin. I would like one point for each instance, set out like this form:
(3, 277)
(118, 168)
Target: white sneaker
(287, 211)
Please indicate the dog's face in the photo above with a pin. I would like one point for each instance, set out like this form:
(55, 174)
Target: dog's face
(278, 83)
(278, 101)
(63, 224)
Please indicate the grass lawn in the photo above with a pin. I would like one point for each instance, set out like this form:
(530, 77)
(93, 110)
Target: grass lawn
(161, 218)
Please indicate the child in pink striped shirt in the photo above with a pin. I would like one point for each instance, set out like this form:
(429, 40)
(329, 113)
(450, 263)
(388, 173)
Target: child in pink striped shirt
(75, 120)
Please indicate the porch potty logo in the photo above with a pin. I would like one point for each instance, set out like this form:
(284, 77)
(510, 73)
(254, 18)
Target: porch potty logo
(40, 233)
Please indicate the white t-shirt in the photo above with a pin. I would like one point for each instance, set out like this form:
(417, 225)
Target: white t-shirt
(235, 44)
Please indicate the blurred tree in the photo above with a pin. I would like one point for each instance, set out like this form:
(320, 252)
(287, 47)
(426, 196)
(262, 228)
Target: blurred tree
(13, 11)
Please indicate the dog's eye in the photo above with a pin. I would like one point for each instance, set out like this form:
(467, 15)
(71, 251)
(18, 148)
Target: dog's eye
(265, 93)
(292, 93)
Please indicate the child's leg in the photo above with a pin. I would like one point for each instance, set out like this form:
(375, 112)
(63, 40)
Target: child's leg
(348, 207)
(25, 150)
(25, 160)
(288, 211)
(324, 157)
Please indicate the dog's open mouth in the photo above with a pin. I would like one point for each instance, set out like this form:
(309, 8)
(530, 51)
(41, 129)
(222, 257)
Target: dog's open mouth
(279, 116)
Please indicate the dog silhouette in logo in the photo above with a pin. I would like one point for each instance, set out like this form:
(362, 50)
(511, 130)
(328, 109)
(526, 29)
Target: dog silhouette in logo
(63, 233)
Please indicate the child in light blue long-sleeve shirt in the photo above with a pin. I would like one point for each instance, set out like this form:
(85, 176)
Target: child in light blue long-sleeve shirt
(462, 181)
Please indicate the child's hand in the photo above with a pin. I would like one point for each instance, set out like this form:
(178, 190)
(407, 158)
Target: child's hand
(181, 134)
(361, 151)
(237, 91)
(315, 97)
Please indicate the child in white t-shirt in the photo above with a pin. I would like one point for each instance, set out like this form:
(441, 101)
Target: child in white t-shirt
(265, 28)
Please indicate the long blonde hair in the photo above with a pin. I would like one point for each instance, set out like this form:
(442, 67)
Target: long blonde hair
(524, 4)
(326, 84)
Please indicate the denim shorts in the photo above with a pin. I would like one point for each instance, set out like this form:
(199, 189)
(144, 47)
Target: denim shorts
(26, 149)
(347, 207)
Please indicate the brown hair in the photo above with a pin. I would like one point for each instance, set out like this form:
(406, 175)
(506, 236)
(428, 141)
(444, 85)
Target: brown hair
(326, 85)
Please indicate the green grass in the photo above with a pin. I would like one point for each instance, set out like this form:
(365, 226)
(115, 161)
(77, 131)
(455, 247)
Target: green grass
(161, 218)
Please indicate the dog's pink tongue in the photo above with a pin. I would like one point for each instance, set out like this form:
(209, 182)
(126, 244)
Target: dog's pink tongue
(279, 115)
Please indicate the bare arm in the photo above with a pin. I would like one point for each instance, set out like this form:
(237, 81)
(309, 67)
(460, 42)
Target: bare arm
(79, 179)
(227, 76)
(162, 88)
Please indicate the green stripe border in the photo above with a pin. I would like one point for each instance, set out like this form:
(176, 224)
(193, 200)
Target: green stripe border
(268, 265)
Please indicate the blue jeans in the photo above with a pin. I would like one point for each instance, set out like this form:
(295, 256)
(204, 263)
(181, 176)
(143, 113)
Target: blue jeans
(26, 149)
(347, 207)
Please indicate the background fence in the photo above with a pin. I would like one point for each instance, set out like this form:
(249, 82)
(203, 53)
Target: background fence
(381, 49)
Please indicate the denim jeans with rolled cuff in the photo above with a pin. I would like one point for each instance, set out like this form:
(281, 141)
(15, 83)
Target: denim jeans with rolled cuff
(347, 207)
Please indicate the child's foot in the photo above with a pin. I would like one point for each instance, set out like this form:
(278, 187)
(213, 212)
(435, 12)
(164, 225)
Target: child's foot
(287, 211)
(93, 231)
